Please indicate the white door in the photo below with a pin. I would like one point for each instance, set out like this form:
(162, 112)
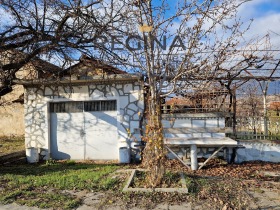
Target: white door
(67, 136)
(84, 130)
(101, 135)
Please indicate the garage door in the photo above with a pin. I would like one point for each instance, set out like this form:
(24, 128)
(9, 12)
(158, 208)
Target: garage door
(84, 130)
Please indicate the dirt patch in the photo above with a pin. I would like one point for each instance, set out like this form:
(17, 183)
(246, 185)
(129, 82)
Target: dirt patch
(217, 186)
(170, 180)
(219, 168)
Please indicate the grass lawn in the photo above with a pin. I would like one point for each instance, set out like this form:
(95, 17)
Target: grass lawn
(44, 185)
(57, 185)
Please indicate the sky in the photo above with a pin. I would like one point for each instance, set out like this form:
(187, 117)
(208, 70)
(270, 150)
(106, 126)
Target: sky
(266, 19)
(266, 16)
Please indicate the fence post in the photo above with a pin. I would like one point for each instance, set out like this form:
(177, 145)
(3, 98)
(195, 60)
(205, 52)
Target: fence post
(194, 164)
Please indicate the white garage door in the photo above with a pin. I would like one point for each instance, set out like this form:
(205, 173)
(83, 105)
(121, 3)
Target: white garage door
(84, 130)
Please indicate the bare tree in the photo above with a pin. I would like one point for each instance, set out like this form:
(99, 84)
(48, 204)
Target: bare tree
(171, 44)
(55, 30)
(177, 44)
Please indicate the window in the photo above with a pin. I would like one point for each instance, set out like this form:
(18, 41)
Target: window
(73, 106)
(87, 106)
(93, 106)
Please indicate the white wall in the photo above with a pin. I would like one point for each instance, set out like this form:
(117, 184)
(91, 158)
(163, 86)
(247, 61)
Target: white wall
(194, 121)
(256, 150)
(37, 117)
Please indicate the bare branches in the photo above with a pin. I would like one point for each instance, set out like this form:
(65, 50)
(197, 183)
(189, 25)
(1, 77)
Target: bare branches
(57, 29)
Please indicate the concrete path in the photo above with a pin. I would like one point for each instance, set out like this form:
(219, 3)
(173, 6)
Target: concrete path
(14, 206)
(261, 199)
(86, 207)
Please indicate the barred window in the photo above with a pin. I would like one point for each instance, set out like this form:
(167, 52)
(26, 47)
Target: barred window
(60, 107)
(92, 106)
(87, 106)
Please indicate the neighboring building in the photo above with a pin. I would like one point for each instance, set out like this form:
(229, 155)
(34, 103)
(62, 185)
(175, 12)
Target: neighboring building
(11, 104)
(88, 67)
(274, 106)
(12, 114)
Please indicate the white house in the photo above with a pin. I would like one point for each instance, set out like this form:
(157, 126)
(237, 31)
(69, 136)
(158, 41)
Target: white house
(83, 119)
(90, 117)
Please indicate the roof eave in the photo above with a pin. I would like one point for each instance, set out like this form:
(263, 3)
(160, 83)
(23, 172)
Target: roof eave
(98, 79)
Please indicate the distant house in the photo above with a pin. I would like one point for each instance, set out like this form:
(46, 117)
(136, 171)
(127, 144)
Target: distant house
(210, 100)
(274, 106)
(90, 113)
(88, 67)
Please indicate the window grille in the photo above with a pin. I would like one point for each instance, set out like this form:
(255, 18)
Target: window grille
(87, 106)
(61, 107)
(92, 106)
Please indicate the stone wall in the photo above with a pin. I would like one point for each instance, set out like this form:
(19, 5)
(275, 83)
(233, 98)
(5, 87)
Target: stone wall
(130, 107)
(258, 150)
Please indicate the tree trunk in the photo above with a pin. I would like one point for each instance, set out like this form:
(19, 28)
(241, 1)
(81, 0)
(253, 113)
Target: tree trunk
(154, 154)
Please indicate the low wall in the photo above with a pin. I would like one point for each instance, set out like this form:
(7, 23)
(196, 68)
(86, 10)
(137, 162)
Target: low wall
(258, 150)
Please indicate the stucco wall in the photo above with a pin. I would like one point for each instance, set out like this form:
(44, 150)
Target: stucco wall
(130, 106)
(258, 150)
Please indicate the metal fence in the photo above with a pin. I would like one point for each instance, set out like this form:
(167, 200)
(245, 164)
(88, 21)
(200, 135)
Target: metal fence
(253, 127)
(253, 114)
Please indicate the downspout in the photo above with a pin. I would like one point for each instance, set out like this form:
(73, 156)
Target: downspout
(49, 131)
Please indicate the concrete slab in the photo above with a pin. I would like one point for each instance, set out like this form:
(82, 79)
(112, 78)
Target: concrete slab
(85, 207)
(14, 206)
(162, 207)
(203, 141)
(266, 198)
(184, 206)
